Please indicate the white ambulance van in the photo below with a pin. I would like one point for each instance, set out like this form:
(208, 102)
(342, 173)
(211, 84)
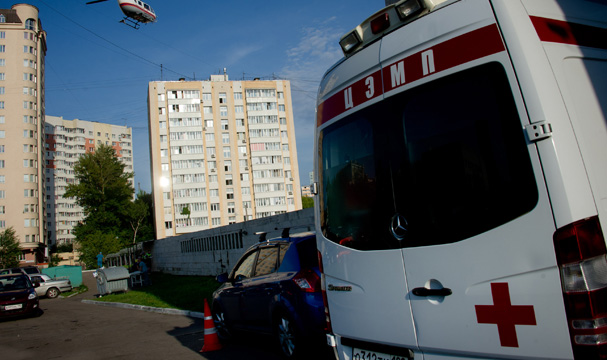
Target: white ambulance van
(461, 181)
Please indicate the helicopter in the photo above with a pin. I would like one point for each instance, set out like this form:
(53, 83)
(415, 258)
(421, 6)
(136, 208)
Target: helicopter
(137, 12)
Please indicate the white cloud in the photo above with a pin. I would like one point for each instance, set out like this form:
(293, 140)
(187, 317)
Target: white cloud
(240, 52)
(317, 50)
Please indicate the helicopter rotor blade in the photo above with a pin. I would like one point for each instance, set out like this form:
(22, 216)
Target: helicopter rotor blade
(95, 1)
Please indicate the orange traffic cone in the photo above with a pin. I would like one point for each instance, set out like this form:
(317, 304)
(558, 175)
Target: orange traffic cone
(211, 340)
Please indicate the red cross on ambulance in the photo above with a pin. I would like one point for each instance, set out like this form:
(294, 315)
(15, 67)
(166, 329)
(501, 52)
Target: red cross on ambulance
(505, 315)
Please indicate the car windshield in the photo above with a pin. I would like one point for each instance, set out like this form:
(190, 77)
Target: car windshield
(17, 282)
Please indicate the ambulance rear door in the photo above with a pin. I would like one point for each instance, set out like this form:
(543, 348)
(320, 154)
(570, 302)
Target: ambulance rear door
(366, 290)
(471, 210)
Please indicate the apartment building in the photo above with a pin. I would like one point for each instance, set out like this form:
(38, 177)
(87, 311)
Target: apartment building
(65, 142)
(221, 152)
(22, 186)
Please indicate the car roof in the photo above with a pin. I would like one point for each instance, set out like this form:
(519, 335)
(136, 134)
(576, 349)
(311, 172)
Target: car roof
(12, 275)
(293, 238)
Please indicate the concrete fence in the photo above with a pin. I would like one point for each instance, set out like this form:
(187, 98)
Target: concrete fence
(214, 251)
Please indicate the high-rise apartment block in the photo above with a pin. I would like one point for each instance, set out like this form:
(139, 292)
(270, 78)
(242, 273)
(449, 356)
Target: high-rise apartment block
(65, 142)
(22, 186)
(221, 152)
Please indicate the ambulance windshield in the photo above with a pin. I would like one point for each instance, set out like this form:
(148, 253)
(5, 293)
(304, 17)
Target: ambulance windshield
(436, 164)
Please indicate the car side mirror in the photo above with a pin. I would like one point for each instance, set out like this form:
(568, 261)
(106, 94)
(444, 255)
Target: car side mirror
(222, 278)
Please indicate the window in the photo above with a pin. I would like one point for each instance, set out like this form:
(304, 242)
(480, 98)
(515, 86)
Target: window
(223, 98)
(267, 261)
(30, 24)
(244, 270)
(452, 171)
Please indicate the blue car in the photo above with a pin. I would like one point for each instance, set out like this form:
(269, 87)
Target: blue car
(275, 289)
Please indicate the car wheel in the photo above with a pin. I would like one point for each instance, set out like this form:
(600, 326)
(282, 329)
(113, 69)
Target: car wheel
(219, 320)
(287, 337)
(52, 293)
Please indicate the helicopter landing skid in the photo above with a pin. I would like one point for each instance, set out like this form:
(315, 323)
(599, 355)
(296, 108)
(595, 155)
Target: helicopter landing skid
(130, 22)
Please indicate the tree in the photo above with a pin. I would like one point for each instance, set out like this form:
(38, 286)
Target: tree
(307, 202)
(104, 191)
(139, 216)
(98, 241)
(9, 248)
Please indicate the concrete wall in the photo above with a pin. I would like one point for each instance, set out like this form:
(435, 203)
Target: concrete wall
(214, 251)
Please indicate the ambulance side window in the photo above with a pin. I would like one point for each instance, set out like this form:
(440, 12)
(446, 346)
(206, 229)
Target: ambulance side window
(447, 159)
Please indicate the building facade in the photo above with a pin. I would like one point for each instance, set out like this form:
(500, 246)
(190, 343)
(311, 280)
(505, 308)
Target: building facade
(221, 152)
(22, 183)
(65, 142)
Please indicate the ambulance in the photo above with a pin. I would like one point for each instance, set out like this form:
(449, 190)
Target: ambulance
(461, 182)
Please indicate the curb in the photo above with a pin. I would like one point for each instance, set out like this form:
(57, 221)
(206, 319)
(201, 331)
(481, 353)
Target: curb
(166, 311)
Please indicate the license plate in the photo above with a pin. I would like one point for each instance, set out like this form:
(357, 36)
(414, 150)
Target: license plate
(360, 354)
(13, 307)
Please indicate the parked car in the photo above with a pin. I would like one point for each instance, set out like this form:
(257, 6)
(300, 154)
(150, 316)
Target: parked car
(17, 296)
(274, 288)
(30, 270)
(26, 270)
(51, 288)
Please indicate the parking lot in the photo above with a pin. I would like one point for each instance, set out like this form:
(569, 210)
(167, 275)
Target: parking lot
(71, 329)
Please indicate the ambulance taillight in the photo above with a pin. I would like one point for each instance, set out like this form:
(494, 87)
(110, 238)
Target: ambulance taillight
(582, 257)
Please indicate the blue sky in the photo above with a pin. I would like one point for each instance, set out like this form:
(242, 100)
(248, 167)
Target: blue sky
(98, 69)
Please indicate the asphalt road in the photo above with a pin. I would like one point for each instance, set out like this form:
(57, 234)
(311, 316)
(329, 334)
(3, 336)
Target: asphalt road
(72, 329)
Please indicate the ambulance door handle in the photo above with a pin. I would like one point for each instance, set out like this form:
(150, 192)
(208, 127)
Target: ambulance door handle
(422, 291)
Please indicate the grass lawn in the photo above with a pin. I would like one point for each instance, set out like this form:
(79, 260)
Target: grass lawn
(170, 291)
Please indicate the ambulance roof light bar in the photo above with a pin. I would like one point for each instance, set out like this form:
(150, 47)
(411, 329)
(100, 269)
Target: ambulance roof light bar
(387, 19)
